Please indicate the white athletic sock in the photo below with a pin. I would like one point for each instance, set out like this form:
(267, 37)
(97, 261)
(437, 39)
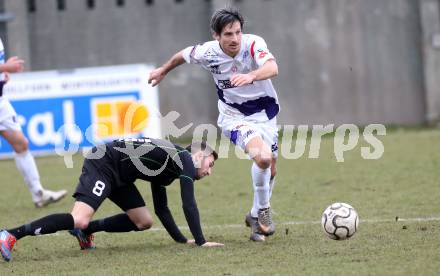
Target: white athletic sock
(26, 165)
(254, 210)
(261, 180)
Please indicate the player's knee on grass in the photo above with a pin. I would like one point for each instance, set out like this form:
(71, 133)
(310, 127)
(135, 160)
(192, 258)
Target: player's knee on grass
(141, 217)
(144, 224)
(82, 213)
(81, 222)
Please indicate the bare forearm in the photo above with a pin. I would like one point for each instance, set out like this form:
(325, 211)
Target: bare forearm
(267, 71)
(158, 74)
(3, 68)
(175, 61)
(12, 65)
(6, 68)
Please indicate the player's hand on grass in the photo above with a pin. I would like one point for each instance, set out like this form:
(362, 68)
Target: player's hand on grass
(212, 244)
(242, 79)
(14, 65)
(192, 242)
(206, 244)
(156, 76)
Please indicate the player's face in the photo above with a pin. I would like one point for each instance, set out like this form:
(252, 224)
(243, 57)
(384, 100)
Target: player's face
(230, 38)
(206, 164)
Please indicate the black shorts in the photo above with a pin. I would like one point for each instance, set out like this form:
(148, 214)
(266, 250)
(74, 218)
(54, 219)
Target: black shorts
(95, 185)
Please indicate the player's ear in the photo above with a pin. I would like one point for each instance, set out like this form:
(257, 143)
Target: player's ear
(198, 156)
(202, 155)
(216, 36)
(198, 159)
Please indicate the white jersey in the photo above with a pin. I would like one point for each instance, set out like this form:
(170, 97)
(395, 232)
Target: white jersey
(7, 112)
(2, 58)
(257, 101)
(2, 75)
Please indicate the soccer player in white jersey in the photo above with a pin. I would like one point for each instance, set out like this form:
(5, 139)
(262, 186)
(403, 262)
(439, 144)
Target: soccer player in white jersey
(241, 66)
(10, 130)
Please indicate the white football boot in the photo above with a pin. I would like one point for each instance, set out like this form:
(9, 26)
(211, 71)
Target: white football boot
(46, 197)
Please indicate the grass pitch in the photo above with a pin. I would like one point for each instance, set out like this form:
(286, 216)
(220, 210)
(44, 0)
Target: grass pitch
(403, 184)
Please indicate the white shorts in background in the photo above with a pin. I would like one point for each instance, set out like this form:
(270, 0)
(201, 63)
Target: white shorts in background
(240, 132)
(8, 116)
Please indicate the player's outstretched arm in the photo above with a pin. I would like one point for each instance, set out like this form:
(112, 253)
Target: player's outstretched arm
(268, 70)
(12, 65)
(158, 74)
(162, 211)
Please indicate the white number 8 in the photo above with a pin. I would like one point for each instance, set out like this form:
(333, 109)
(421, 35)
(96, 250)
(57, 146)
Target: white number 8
(99, 188)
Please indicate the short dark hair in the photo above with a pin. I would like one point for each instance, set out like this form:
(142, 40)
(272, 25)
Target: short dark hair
(223, 17)
(201, 146)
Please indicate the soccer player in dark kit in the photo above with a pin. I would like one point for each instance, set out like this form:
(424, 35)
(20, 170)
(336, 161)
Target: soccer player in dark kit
(109, 171)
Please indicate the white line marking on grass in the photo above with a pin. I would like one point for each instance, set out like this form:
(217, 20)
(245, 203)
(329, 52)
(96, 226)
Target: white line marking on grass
(226, 226)
(310, 223)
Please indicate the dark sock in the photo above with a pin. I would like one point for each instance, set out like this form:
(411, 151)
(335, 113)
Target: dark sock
(117, 223)
(45, 225)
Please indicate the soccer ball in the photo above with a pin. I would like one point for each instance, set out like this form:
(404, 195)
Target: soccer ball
(340, 221)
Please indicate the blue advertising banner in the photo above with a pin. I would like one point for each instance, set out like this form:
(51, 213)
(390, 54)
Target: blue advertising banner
(83, 107)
